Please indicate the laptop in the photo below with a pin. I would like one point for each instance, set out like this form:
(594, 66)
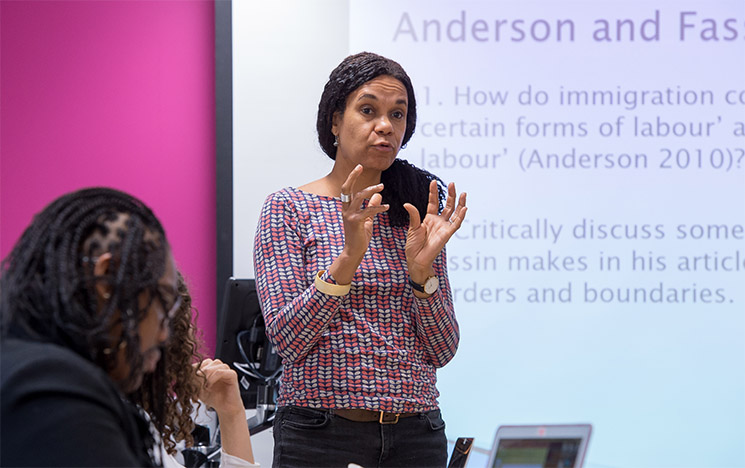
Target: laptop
(540, 446)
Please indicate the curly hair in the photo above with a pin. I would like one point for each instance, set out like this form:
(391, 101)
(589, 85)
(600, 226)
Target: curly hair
(403, 182)
(48, 287)
(176, 377)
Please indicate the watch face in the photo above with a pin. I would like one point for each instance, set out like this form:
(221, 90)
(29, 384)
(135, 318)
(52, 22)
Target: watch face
(431, 285)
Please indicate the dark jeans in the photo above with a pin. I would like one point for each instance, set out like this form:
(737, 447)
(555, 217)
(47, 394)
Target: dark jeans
(305, 437)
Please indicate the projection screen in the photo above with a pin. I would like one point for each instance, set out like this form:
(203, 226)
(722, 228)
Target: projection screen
(599, 277)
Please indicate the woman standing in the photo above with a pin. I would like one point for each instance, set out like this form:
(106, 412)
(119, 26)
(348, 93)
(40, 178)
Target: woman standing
(352, 277)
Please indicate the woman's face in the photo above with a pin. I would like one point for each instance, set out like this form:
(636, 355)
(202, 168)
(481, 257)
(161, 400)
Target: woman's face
(372, 127)
(154, 328)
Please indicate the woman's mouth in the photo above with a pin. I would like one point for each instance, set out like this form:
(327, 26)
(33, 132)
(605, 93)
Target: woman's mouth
(383, 146)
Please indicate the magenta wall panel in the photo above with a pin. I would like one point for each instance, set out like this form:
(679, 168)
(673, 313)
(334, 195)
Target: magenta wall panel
(114, 93)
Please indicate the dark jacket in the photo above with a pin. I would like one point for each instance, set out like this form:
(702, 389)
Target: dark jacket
(59, 409)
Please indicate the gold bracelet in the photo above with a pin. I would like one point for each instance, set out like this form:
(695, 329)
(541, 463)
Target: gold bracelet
(331, 289)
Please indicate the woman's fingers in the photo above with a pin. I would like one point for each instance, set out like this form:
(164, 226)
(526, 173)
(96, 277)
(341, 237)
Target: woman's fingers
(375, 206)
(347, 188)
(462, 204)
(376, 199)
(207, 364)
(214, 370)
(368, 192)
(460, 213)
(433, 204)
(414, 218)
(350, 198)
(449, 202)
(452, 213)
(456, 220)
(225, 374)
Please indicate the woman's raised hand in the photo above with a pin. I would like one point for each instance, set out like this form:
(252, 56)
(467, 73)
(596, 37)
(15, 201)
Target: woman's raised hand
(358, 224)
(426, 238)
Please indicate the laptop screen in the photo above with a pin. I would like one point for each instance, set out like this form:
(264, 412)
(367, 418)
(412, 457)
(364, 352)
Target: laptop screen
(540, 446)
(537, 453)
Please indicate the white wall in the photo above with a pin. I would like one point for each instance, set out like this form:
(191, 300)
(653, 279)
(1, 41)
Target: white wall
(283, 53)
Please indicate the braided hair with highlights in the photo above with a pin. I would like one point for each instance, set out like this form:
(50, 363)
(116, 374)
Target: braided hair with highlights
(402, 181)
(48, 289)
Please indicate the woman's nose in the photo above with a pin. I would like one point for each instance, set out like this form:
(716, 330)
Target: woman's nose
(383, 125)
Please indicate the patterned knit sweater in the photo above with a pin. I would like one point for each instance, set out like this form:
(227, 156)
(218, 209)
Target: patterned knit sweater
(375, 348)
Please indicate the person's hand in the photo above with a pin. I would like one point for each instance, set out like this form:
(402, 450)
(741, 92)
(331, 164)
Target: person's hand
(426, 238)
(358, 222)
(220, 388)
(220, 391)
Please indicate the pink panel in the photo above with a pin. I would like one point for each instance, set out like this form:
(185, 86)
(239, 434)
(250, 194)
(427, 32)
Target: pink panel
(115, 93)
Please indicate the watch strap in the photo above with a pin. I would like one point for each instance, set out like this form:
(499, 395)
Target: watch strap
(423, 287)
(416, 286)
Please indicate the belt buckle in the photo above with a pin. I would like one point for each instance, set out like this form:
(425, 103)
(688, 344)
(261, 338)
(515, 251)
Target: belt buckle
(384, 420)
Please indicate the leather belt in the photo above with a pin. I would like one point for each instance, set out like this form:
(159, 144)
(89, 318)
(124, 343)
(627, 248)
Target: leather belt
(363, 415)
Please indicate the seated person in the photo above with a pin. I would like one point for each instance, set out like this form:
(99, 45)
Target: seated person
(86, 297)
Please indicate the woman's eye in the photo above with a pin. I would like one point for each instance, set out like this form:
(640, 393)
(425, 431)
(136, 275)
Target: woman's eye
(366, 110)
(398, 115)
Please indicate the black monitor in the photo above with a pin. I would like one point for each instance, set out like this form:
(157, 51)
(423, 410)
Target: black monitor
(243, 345)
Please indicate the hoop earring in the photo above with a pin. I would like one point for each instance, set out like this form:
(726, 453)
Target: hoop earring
(404, 146)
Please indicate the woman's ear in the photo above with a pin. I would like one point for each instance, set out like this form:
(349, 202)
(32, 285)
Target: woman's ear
(99, 269)
(335, 123)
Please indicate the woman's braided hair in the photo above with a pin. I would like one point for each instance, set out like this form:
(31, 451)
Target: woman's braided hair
(48, 287)
(403, 182)
(176, 377)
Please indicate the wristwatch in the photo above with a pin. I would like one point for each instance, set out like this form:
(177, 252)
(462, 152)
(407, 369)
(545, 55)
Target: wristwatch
(429, 286)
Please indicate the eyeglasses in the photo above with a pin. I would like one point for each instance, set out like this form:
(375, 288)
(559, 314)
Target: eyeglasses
(169, 309)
